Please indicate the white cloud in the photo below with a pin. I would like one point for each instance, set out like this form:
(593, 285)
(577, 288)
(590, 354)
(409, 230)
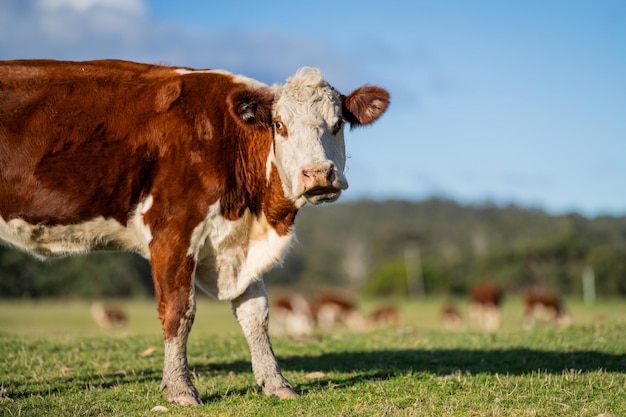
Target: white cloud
(127, 6)
(72, 20)
(124, 29)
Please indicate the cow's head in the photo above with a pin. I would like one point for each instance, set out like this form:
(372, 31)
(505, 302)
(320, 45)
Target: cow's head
(307, 121)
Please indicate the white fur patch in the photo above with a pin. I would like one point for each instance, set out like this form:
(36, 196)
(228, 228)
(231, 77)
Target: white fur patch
(184, 71)
(232, 254)
(310, 108)
(63, 240)
(237, 78)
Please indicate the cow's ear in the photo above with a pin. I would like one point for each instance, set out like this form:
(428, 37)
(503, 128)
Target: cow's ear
(365, 105)
(252, 107)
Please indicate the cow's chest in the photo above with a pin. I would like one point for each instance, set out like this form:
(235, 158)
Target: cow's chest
(232, 254)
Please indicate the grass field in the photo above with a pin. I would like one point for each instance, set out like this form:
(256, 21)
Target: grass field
(55, 361)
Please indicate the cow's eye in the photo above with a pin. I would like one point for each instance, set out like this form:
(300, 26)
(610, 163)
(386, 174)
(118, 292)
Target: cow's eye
(338, 126)
(280, 128)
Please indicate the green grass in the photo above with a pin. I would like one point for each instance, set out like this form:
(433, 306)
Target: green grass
(55, 362)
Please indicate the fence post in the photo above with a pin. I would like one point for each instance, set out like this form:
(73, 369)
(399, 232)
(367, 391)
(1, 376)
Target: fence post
(589, 285)
(414, 273)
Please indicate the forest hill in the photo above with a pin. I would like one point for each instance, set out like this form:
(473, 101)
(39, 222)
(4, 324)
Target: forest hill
(372, 245)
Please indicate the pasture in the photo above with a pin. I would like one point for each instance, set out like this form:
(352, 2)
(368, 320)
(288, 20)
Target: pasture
(55, 361)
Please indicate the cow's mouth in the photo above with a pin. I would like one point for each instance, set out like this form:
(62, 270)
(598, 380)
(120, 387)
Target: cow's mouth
(320, 195)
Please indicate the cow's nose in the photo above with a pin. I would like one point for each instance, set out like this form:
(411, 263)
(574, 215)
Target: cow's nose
(317, 175)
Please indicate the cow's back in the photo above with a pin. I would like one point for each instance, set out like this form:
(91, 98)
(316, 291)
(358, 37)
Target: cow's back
(77, 139)
(79, 144)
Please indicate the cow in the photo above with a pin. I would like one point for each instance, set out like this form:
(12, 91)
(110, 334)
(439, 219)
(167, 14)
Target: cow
(544, 306)
(108, 316)
(451, 317)
(202, 172)
(485, 306)
(387, 315)
(331, 310)
(291, 315)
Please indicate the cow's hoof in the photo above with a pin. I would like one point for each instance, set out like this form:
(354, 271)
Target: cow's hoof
(184, 399)
(284, 393)
(183, 394)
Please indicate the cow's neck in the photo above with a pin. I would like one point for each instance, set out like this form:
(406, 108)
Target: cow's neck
(253, 191)
(279, 210)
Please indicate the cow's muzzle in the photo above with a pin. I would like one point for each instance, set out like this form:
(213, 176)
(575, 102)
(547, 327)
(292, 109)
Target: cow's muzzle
(321, 183)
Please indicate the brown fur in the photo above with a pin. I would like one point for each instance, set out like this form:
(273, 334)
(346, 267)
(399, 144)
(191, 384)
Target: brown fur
(485, 293)
(100, 136)
(359, 111)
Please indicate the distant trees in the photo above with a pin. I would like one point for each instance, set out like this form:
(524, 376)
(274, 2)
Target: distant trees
(459, 245)
(609, 264)
(555, 262)
(102, 274)
(363, 245)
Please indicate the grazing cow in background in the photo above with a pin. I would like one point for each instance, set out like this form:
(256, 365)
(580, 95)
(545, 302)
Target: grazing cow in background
(291, 315)
(451, 317)
(108, 316)
(544, 306)
(331, 310)
(200, 171)
(294, 315)
(384, 316)
(485, 308)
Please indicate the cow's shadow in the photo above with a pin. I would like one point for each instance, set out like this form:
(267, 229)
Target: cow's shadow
(385, 364)
(517, 361)
(371, 365)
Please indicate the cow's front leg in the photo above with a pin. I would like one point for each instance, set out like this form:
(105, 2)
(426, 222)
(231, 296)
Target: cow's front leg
(176, 380)
(176, 305)
(252, 312)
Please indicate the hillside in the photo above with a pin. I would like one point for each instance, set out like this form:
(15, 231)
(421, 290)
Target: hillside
(368, 246)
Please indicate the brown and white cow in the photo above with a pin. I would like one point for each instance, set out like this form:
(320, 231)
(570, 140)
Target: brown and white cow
(200, 171)
(544, 306)
(485, 306)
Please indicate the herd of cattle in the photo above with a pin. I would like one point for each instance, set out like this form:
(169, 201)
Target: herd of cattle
(540, 306)
(294, 315)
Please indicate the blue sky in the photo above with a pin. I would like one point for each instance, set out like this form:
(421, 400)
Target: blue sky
(492, 101)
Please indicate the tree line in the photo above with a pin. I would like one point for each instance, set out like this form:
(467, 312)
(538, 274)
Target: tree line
(382, 248)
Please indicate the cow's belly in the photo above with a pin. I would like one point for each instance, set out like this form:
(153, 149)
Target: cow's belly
(236, 253)
(45, 241)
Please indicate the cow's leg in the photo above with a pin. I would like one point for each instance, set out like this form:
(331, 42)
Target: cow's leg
(177, 308)
(252, 312)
